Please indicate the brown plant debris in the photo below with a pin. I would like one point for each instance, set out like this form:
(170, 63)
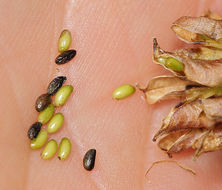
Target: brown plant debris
(197, 81)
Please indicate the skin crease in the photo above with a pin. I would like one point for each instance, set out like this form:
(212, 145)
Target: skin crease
(113, 40)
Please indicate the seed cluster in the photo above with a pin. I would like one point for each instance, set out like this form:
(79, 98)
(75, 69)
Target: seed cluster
(46, 108)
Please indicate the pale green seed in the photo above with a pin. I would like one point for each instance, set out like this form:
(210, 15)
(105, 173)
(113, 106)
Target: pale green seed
(123, 91)
(65, 40)
(161, 60)
(40, 140)
(46, 114)
(55, 123)
(174, 64)
(49, 150)
(64, 149)
(63, 94)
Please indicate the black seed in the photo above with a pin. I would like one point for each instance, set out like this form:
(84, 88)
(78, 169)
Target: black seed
(42, 102)
(89, 159)
(179, 104)
(55, 85)
(34, 130)
(188, 87)
(65, 56)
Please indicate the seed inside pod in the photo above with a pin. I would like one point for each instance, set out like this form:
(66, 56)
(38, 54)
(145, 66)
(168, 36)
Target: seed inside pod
(65, 57)
(55, 123)
(46, 114)
(123, 91)
(64, 148)
(55, 85)
(40, 140)
(49, 150)
(42, 102)
(65, 40)
(89, 159)
(34, 130)
(63, 94)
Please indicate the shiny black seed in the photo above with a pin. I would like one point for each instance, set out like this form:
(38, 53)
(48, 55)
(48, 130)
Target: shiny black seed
(55, 85)
(42, 102)
(34, 130)
(89, 159)
(65, 56)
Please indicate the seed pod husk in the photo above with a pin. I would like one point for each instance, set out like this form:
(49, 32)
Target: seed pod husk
(65, 57)
(65, 40)
(42, 102)
(34, 130)
(89, 159)
(55, 85)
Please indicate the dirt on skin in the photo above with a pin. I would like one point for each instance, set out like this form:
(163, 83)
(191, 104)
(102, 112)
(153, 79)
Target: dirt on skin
(113, 40)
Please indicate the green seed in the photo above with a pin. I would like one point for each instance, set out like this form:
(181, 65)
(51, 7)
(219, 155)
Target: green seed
(161, 60)
(65, 40)
(63, 94)
(40, 140)
(46, 114)
(174, 64)
(64, 148)
(55, 123)
(123, 91)
(49, 150)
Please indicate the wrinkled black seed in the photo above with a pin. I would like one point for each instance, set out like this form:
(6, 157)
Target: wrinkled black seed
(89, 159)
(55, 85)
(65, 56)
(42, 102)
(34, 130)
(188, 87)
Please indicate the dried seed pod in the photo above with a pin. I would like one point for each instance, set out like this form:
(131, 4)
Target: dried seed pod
(65, 40)
(34, 130)
(165, 87)
(65, 57)
(42, 102)
(89, 159)
(55, 85)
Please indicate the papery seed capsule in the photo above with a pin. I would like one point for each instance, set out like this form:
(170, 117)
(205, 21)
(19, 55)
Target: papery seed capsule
(34, 130)
(63, 94)
(55, 85)
(49, 150)
(64, 149)
(89, 159)
(65, 40)
(123, 91)
(55, 123)
(42, 102)
(65, 57)
(40, 140)
(46, 114)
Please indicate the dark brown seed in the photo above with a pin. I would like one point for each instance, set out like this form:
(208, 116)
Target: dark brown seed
(34, 130)
(42, 102)
(188, 87)
(55, 85)
(65, 56)
(89, 159)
